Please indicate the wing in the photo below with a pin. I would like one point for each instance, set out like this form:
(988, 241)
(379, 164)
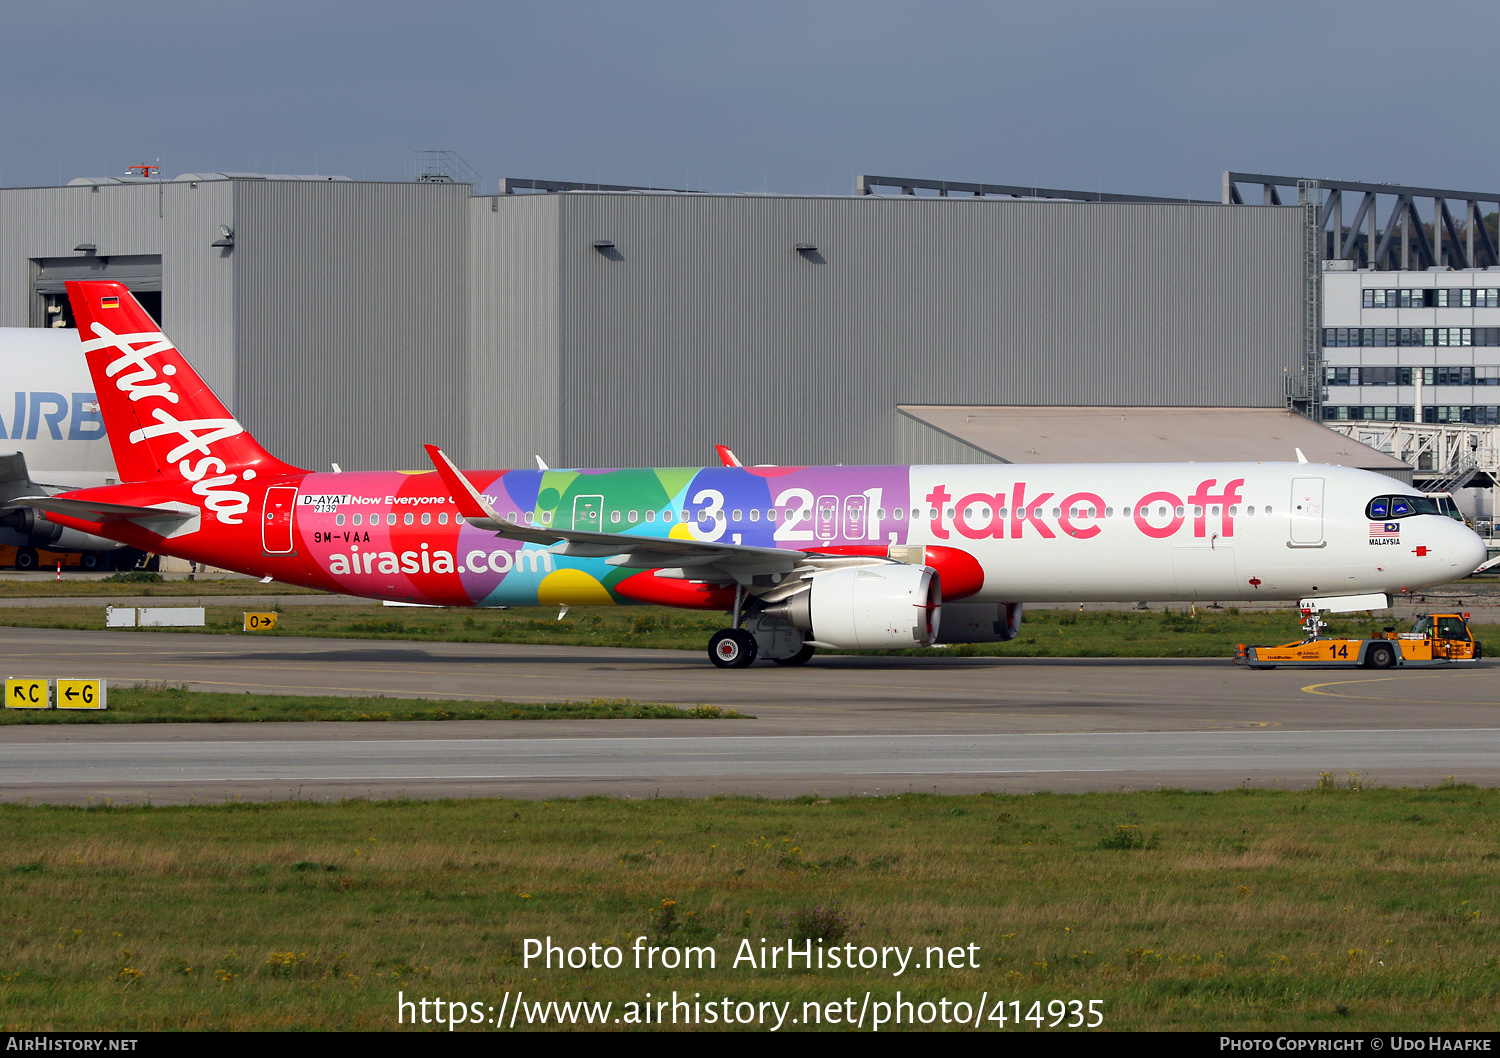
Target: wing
(622, 549)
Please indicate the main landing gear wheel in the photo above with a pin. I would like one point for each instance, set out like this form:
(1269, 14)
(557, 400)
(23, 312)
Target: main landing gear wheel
(732, 648)
(799, 658)
(92, 561)
(1381, 656)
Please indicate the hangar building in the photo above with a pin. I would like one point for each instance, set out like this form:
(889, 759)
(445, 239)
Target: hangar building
(353, 321)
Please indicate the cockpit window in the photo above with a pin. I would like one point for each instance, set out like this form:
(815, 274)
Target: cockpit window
(1382, 508)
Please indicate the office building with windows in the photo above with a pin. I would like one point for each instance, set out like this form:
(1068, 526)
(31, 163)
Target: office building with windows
(1417, 347)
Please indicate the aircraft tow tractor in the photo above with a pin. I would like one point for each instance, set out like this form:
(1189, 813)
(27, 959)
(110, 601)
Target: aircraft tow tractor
(1437, 639)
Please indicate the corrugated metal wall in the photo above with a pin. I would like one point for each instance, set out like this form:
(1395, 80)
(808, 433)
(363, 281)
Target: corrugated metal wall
(175, 220)
(513, 312)
(706, 325)
(914, 441)
(351, 320)
(198, 280)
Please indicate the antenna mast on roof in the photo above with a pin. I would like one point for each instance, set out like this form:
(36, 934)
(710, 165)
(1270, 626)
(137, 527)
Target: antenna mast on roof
(442, 167)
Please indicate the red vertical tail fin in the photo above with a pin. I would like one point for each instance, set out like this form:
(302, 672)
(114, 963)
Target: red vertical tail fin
(162, 419)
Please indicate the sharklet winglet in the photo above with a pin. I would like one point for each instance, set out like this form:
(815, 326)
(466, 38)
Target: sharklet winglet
(470, 503)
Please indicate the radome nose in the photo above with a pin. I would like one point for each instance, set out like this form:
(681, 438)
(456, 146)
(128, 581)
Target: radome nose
(1468, 550)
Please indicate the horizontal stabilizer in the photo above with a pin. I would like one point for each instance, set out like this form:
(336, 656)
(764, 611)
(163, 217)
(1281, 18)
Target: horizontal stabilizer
(93, 510)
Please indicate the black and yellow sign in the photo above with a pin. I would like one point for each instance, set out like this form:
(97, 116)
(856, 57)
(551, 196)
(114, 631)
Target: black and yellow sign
(24, 692)
(81, 694)
(260, 622)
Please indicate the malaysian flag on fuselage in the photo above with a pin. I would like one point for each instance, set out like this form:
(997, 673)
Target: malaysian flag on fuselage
(1385, 529)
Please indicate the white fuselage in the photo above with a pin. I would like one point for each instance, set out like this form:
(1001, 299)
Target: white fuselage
(1182, 531)
(47, 408)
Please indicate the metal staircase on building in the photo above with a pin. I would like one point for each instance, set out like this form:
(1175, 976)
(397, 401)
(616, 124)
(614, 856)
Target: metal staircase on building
(1443, 456)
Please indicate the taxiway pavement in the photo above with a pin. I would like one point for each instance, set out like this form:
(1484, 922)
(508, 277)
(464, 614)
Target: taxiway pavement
(837, 725)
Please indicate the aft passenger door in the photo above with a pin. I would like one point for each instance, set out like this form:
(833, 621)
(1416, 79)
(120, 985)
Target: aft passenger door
(1307, 512)
(276, 519)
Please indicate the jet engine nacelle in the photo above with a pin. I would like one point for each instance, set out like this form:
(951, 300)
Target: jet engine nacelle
(980, 622)
(867, 607)
(35, 530)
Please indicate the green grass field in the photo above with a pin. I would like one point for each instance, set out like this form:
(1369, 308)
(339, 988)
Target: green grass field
(74, 588)
(1338, 908)
(1171, 633)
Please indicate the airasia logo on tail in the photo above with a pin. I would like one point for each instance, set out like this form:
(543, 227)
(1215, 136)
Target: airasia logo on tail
(137, 377)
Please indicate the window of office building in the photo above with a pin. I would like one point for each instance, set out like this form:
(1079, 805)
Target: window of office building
(1429, 297)
(1386, 337)
(1458, 375)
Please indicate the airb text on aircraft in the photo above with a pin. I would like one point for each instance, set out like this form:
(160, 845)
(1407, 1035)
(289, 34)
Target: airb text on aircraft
(1073, 513)
(52, 410)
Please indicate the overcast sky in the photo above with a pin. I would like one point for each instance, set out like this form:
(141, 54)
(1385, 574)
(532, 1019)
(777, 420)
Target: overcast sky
(1149, 98)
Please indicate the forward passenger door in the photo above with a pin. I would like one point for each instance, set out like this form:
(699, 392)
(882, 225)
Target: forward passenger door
(1306, 512)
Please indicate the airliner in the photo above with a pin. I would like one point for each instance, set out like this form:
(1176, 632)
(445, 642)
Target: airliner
(50, 432)
(798, 557)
